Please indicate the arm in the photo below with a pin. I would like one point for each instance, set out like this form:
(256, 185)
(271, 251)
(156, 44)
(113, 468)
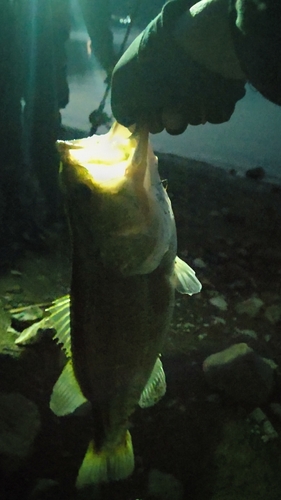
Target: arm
(204, 34)
(255, 27)
(242, 41)
(190, 65)
(159, 82)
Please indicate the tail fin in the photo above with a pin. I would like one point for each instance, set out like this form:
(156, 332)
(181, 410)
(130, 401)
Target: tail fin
(107, 464)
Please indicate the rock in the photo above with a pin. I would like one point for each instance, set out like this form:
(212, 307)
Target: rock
(266, 428)
(202, 336)
(247, 332)
(15, 272)
(257, 173)
(258, 415)
(243, 252)
(244, 470)
(237, 285)
(219, 301)
(225, 210)
(269, 432)
(273, 313)
(19, 426)
(213, 398)
(199, 263)
(164, 486)
(216, 320)
(214, 213)
(250, 306)
(240, 374)
(276, 409)
(5, 321)
(7, 342)
(46, 489)
(223, 256)
(14, 289)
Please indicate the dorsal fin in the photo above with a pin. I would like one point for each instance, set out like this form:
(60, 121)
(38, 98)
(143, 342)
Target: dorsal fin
(60, 319)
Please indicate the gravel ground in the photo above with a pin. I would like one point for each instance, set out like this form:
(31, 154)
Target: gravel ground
(229, 231)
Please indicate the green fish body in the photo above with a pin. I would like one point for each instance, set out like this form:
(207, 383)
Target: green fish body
(124, 275)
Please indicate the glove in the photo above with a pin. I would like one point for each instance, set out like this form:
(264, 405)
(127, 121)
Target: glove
(155, 82)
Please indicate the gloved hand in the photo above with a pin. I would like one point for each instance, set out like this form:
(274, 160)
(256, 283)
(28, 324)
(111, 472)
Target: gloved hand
(155, 82)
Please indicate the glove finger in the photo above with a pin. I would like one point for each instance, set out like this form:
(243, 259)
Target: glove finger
(126, 86)
(174, 121)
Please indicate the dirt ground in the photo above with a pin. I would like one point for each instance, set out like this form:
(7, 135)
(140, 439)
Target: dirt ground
(229, 231)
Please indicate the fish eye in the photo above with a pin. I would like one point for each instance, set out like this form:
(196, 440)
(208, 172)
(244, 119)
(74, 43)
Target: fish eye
(164, 183)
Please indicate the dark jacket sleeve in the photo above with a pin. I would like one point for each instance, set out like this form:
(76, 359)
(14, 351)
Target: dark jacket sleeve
(255, 26)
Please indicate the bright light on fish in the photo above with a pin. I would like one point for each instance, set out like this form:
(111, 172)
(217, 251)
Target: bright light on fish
(107, 165)
(109, 174)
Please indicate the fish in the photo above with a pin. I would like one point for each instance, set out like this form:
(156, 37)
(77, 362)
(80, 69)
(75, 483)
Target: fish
(113, 324)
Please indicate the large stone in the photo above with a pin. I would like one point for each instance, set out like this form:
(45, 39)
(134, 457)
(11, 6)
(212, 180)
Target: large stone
(19, 426)
(240, 374)
(164, 486)
(46, 489)
(273, 313)
(219, 302)
(251, 307)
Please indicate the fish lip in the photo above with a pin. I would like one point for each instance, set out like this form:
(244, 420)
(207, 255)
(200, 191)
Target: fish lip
(66, 145)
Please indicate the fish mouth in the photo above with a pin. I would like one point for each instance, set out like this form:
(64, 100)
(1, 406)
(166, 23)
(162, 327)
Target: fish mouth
(109, 159)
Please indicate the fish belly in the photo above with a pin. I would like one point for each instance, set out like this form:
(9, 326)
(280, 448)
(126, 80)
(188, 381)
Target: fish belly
(118, 326)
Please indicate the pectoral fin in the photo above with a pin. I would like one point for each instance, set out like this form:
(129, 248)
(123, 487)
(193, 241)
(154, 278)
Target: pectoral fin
(184, 278)
(155, 387)
(66, 395)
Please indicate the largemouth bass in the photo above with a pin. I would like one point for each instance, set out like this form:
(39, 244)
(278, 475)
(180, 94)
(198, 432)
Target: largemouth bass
(124, 275)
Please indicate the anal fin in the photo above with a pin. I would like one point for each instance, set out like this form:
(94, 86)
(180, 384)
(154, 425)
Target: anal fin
(155, 387)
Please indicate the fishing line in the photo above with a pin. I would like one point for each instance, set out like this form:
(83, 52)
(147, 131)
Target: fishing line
(98, 116)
